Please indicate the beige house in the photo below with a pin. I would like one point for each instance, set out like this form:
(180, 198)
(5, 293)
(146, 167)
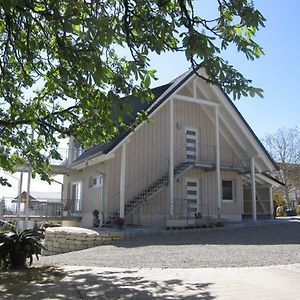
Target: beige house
(197, 159)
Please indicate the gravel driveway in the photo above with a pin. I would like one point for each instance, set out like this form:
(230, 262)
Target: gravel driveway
(232, 247)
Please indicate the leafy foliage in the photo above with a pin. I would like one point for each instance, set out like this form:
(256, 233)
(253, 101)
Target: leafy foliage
(16, 248)
(64, 65)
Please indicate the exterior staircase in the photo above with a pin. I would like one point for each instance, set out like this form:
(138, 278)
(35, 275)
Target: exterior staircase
(151, 191)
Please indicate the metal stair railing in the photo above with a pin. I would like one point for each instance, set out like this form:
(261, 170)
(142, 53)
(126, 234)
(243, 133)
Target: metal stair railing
(155, 188)
(135, 186)
(205, 153)
(149, 192)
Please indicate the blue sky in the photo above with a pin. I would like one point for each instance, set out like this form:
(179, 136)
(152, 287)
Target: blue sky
(277, 73)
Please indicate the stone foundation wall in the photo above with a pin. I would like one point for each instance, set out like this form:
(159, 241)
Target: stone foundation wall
(66, 239)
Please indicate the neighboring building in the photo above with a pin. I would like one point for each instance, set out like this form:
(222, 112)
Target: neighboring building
(218, 167)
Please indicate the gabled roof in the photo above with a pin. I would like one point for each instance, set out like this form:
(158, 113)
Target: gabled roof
(273, 178)
(161, 94)
(137, 106)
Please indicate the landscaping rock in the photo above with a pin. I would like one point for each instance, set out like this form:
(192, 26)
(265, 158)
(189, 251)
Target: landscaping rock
(66, 239)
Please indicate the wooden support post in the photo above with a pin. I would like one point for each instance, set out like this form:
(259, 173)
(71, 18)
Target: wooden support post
(122, 180)
(218, 170)
(253, 190)
(171, 155)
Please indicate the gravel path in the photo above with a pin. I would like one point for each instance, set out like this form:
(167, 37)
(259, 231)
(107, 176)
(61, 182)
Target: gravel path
(232, 247)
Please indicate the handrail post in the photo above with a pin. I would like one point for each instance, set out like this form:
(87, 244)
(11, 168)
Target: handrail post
(171, 166)
(218, 171)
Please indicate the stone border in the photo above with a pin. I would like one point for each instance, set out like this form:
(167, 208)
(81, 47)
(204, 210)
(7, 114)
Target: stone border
(66, 239)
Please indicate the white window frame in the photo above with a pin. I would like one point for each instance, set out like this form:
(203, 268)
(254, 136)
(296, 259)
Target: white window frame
(78, 198)
(99, 181)
(187, 128)
(233, 187)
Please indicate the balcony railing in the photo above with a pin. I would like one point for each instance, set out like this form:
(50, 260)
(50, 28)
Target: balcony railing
(67, 156)
(43, 208)
(206, 154)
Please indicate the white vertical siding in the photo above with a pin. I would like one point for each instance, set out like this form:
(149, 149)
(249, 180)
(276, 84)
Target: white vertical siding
(147, 159)
(235, 207)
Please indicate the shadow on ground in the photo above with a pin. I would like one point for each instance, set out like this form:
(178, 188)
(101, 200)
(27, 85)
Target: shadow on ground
(130, 285)
(32, 283)
(53, 283)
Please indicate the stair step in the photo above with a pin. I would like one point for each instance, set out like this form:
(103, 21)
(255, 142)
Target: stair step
(152, 189)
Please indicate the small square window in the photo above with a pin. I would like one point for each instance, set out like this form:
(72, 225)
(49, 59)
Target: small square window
(96, 181)
(227, 190)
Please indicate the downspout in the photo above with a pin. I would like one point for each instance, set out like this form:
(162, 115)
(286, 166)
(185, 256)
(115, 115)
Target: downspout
(61, 195)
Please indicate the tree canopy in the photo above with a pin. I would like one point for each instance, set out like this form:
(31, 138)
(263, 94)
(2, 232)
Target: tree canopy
(284, 147)
(63, 67)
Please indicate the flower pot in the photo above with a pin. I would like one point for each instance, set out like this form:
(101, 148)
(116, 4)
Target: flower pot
(18, 259)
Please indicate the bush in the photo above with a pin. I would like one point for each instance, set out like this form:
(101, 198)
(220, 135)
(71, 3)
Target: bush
(290, 212)
(120, 222)
(16, 248)
(219, 224)
(280, 211)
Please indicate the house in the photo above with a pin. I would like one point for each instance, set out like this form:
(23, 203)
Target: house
(197, 158)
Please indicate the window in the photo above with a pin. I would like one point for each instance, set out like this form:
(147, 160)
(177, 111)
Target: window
(96, 181)
(227, 190)
(76, 196)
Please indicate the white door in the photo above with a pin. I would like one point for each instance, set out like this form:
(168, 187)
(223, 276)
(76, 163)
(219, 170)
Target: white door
(191, 138)
(192, 194)
(76, 194)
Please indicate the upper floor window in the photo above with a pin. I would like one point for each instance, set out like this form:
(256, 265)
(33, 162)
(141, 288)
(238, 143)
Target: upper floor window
(96, 181)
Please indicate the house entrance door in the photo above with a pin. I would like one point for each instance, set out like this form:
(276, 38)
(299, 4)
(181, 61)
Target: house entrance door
(191, 138)
(192, 194)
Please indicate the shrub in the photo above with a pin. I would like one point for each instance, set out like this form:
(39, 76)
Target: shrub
(219, 224)
(16, 248)
(290, 212)
(120, 222)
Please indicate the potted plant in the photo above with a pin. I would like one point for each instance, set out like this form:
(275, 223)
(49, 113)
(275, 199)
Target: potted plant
(120, 222)
(16, 248)
(198, 217)
(96, 220)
